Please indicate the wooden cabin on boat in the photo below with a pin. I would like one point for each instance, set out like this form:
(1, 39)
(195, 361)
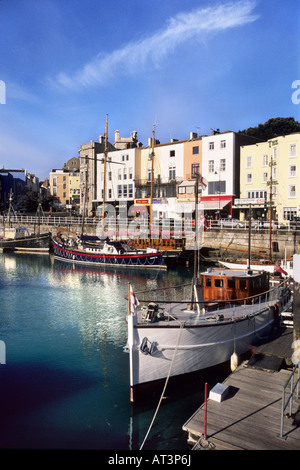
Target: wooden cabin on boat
(227, 285)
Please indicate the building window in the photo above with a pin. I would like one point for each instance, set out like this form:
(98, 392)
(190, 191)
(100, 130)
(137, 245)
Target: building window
(292, 171)
(248, 178)
(130, 173)
(119, 174)
(292, 150)
(125, 174)
(109, 193)
(274, 153)
(216, 187)
(195, 150)
(130, 190)
(265, 160)
(172, 153)
(149, 175)
(172, 172)
(223, 164)
(54, 182)
(223, 144)
(292, 190)
(195, 169)
(289, 213)
(211, 145)
(119, 190)
(64, 178)
(125, 190)
(211, 166)
(109, 176)
(265, 176)
(249, 161)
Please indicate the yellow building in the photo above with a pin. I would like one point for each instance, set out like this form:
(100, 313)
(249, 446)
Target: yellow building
(268, 173)
(74, 187)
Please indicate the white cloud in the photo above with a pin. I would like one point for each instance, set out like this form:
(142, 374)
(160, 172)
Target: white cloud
(153, 49)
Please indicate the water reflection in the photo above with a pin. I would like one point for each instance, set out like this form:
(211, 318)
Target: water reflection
(64, 328)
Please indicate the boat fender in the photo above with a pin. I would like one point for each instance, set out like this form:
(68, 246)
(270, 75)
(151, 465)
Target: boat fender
(145, 346)
(234, 361)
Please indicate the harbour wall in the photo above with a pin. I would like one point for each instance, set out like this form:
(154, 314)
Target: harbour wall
(227, 242)
(235, 242)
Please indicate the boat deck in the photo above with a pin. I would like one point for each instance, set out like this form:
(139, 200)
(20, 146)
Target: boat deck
(179, 311)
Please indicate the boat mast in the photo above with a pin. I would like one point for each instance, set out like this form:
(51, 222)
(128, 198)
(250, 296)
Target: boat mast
(152, 175)
(84, 202)
(249, 238)
(271, 189)
(104, 175)
(196, 239)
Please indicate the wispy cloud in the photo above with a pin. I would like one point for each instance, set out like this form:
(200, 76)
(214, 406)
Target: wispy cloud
(197, 24)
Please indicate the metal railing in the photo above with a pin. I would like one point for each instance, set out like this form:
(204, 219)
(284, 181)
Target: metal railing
(77, 220)
(294, 387)
(49, 220)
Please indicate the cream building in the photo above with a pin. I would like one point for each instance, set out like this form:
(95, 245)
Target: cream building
(270, 171)
(74, 188)
(59, 185)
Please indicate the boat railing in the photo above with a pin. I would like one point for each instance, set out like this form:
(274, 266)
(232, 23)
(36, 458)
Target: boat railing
(180, 294)
(289, 400)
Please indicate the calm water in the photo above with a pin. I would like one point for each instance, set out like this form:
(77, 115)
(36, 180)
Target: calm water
(65, 381)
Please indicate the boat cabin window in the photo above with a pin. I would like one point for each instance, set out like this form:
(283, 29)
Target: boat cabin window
(243, 284)
(208, 281)
(219, 283)
(231, 284)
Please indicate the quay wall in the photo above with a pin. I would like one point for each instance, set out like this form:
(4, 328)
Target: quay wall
(226, 242)
(284, 242)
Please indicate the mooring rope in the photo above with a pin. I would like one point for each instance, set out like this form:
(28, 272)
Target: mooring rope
(166, 382)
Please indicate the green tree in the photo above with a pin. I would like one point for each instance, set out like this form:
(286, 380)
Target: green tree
(274, 127)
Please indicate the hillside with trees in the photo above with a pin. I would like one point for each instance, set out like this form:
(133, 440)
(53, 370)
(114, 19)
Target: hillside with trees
(272, 128)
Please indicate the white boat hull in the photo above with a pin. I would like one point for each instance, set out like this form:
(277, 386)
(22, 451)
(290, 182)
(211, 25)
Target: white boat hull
(167, 349)
(270, 268)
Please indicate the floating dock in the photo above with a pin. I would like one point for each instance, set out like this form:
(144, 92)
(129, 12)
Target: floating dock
(249, 416)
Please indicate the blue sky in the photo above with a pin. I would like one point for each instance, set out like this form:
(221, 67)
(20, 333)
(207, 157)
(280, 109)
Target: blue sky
(185, 65)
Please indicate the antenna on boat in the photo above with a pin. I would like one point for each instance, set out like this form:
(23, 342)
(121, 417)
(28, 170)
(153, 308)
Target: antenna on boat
(195, 292)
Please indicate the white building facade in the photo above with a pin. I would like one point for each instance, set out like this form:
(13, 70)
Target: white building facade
(119, 181)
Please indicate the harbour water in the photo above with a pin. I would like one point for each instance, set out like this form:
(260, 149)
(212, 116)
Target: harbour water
(65, 381)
